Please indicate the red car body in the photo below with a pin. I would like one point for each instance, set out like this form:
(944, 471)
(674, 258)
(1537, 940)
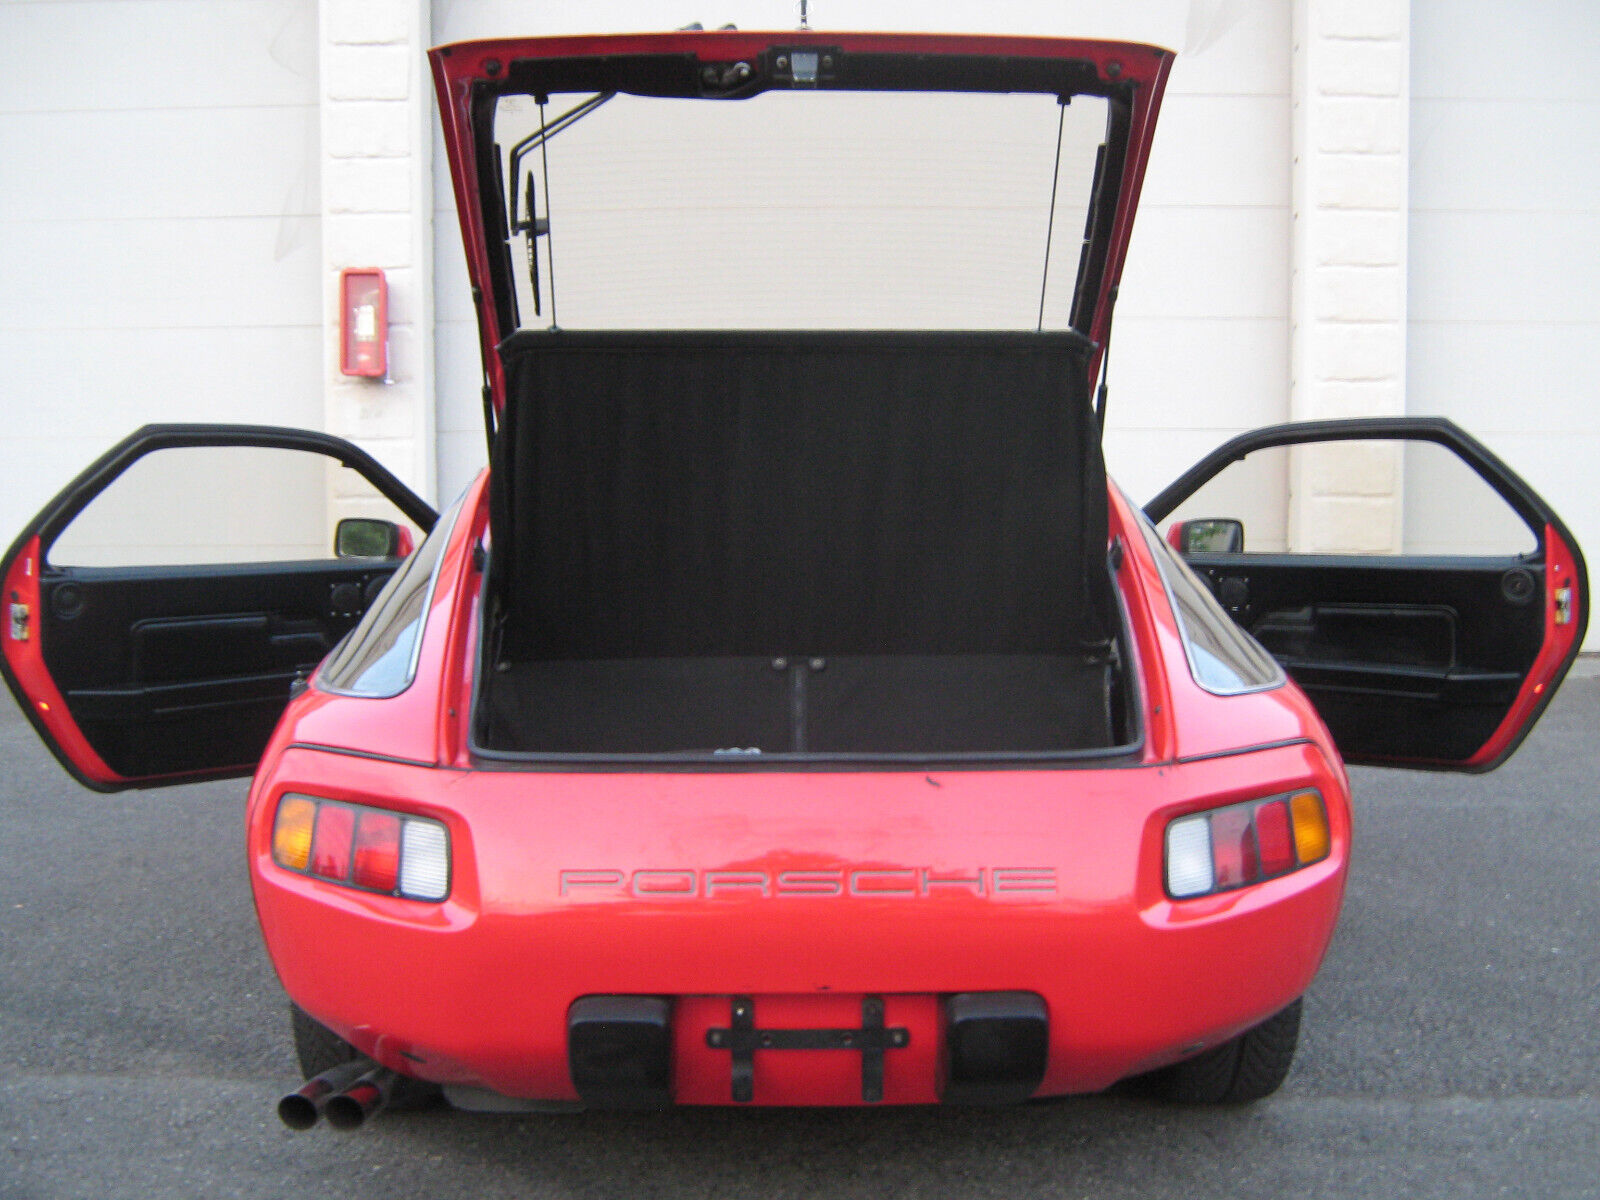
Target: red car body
(815, 928)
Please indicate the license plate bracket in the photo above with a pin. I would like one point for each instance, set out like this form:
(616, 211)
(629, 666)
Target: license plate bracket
(741, 1038)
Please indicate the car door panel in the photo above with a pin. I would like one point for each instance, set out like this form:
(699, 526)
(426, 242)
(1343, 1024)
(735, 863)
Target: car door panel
(1422, 660)
(137, 675)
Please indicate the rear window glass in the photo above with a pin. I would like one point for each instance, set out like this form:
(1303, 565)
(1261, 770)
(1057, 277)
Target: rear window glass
(800, 209)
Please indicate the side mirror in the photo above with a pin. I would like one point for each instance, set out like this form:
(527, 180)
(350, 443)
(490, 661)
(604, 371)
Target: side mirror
(1212, 535)
(367, 537)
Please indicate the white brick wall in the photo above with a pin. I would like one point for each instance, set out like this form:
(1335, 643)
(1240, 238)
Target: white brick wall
(1348, 256)
(377, 211)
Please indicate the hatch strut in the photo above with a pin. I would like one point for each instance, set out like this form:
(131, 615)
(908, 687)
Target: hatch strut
(1050, 226)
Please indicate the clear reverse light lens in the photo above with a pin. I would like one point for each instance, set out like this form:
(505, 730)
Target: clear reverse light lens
(1189, 867)
(424, 861)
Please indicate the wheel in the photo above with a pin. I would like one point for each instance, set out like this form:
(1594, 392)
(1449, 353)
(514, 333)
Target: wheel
(319, 1049)
(1242, 1069)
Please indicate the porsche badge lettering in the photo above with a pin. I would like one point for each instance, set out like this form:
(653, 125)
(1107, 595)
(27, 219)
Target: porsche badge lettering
(890, 883)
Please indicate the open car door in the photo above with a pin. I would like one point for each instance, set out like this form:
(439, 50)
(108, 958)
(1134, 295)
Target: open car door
(1425, 598)
(160, 609)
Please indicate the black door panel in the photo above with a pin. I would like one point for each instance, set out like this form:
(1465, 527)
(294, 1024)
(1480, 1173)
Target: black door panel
(177, 669)
(1423, 660)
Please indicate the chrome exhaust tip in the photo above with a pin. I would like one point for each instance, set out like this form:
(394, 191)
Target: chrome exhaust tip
(300, 1109)
(367, 1096)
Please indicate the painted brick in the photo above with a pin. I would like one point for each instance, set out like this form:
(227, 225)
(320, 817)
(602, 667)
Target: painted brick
(402, 296)
(1360, 125)
(366, 72)
(1362, 18)
(367, 185)
(363, 410)
(367, 129)
(1337, 399)
(405, 356)
(1358, 352)
(1352, 469)
(1346, 238)
(1360, 68)
(367, 240)
(366, 22)
(1357, 294)
(1349, 525)
(1359, 181)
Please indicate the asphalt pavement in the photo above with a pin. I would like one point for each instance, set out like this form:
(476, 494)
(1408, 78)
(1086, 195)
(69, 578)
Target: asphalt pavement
(1451, 1045)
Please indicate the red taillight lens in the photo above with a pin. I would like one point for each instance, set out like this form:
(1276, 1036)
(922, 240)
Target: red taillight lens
(1233, 847)
(330, 844)
(377, 853)
(1274, 839)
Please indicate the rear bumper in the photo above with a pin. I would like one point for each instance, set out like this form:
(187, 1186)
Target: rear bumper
(807, 894)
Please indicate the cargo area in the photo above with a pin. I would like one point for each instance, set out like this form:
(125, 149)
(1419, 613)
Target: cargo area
(755, 544)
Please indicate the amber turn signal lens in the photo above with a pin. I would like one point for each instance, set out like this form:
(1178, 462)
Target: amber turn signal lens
(1311, 841)
(291, 832)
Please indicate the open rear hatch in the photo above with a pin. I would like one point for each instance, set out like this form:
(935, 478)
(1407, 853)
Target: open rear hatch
(758, 504)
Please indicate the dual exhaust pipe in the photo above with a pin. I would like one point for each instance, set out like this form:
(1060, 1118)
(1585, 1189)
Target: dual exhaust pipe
(347, 1095)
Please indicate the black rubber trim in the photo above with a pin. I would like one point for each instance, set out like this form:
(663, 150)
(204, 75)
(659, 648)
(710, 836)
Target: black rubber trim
(1279, 745)
(375, 757)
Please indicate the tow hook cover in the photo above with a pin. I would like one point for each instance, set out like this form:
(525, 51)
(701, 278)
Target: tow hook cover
(619, 1050)
(999, 1042)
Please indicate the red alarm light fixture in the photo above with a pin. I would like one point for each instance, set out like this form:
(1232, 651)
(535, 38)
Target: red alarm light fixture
(363, 322)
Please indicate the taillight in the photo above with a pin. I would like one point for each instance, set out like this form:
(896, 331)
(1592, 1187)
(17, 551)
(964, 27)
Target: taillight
(362, 847)
(1241, 844)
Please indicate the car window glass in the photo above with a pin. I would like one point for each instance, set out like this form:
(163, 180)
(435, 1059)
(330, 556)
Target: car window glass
(804, 209)
(378, 658)
(192, 505)
(1360, 497)
(1222, 657)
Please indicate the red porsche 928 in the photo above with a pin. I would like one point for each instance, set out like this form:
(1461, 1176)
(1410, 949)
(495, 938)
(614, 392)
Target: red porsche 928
(792, 713)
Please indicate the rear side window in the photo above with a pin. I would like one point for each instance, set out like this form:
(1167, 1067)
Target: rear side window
(379, 657)
(1223, 658)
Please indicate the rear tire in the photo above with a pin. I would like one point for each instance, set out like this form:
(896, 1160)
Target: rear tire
(1240, 1070)
(318, 1048)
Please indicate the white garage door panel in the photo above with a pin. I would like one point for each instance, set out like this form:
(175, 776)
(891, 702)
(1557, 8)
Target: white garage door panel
(69, 401)
(1250, 134)
(241, 161)
(1504, 331)
(149, 274)
(1489, 48)
(128, 377)
(1509, 267)
(1492, 379)
(1198, 373)
(159, 237)
(133, 54)
(1489, 154)
(1207, 262)
(453, 295)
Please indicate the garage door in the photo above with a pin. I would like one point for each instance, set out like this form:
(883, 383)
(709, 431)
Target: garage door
(1504, 320)
(159, 230)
